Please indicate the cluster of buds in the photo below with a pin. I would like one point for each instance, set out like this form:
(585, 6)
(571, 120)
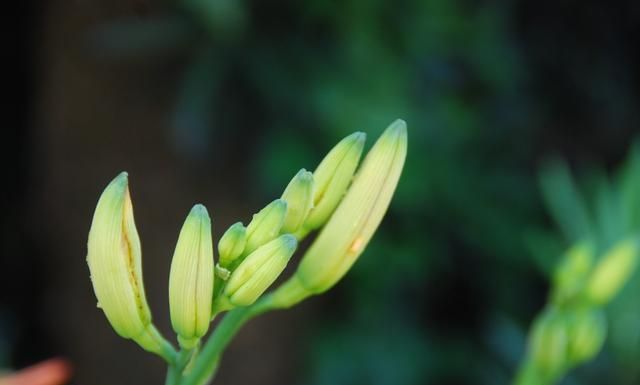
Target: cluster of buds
(346, 205)
(572, 329)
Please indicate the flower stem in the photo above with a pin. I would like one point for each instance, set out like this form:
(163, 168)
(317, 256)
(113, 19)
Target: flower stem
(206, 364)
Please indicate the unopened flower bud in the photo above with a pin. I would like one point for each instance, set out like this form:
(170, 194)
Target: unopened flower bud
(587, 333)
(115, 261)
(265, 225)
(548, 346)
(258, 271)
(332, 177)
(570, 276)
(232, 244)
(191, 279)
(612, 272)
(353, 223)
(299, 198)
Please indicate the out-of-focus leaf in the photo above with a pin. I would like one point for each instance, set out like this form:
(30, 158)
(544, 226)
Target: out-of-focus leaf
(564, 201)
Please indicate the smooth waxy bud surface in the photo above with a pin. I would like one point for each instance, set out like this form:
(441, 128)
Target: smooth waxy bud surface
(115, 261)
(571, 275)
(258, 271)
(299, 198)
(265, 225)
(232, 244)
(191, 279)
(332, 178)
(357, 217)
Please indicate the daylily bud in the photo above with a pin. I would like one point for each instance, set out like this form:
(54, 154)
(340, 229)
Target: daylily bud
(612, 272)
(232, 244)
(570, 276)
(258, 271)
(265, 225)
(353, 223)
(587, 333)
(299, 198)
(191, 279)
(115, 261)
(332, 177)
(549, 343)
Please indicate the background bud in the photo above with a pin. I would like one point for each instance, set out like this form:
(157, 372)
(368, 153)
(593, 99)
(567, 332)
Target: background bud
(191, 279)
(612, 272)
(587, 330)
(265, 225)
(232, 244)
(548, 346)
(299, 198)
(332, 177)
(258, 271)
(570, 276)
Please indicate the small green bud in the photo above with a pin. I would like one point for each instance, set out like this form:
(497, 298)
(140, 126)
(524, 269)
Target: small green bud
(332, 177)
(191, 279)
(115, 262)
(353, 223)
(548, 345)
(587, 333)
(265, 225)
(299, 198)
(612, 272)
(570, 276)
(232, 244)
(258, 271)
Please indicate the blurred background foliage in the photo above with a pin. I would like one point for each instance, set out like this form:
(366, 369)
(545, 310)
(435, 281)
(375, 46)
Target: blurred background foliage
(521, 115)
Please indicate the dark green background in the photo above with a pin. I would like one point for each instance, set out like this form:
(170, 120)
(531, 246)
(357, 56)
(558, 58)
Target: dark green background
(222, 101)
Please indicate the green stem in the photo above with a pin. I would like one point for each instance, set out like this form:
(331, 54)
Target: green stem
(174, 373)
(206, 365)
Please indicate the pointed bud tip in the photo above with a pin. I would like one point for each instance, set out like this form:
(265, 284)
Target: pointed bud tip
(289, 241)
(398, 128)
(199, 210)
(122, 180)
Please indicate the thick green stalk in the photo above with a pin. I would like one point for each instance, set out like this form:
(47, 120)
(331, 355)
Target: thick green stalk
(206, 364)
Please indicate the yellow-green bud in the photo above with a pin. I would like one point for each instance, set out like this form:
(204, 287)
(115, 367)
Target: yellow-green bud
(332, 177)
(570, 276)
(265, 225)
(548, 346)
(232, 244)
(115, 261)
(258, 271)
(191, 279)
(353, 223)
(299, 198)
(587, 333)
(612, 272)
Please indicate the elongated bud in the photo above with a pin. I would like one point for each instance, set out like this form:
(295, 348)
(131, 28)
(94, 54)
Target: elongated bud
(299, 198)
(332, 177)
(258, 271)
(587, 333)
(612, 272)
(232, 244)
(115, 261)
(191, 279)
(570, 276)
(353, 223)
(549, 343)
(265, 225)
